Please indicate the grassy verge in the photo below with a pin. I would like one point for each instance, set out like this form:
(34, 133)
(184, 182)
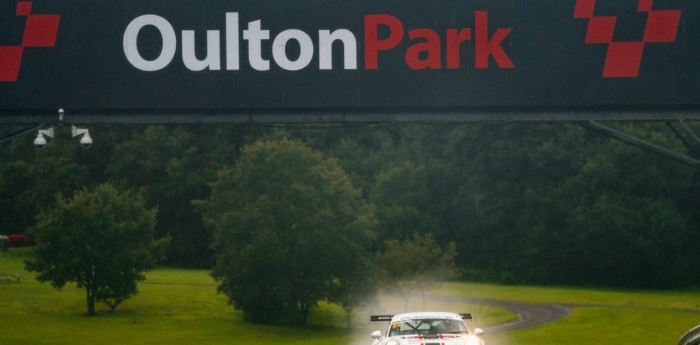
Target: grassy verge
(178, 306)
(598, 317)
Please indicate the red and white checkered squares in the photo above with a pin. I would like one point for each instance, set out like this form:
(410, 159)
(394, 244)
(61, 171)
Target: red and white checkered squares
(624, 59)
(40, 30)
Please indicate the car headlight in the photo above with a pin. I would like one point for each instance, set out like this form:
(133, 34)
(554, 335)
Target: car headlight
(471, 340)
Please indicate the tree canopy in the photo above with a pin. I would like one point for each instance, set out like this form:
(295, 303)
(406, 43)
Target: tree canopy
(102, 240)
(518, 200)
(411, 264)
(288, 225)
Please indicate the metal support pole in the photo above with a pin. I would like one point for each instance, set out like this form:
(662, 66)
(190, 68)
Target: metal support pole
(19, 133)
(690, 140)
(630, 139)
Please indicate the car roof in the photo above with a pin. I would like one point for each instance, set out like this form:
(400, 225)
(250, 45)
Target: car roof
(425, 315)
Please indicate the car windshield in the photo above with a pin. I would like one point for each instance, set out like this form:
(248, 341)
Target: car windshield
(426, 327)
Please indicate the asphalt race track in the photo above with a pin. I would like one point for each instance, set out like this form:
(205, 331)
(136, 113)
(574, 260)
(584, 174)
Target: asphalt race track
(529, 314)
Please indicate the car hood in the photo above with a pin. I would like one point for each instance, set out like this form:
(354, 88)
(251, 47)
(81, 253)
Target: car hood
(439, 339)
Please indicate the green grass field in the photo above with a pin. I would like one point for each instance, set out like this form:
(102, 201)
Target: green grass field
(178, 306)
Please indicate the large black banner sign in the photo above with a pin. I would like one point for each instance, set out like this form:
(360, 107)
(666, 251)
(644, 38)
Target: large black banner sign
(291, 57)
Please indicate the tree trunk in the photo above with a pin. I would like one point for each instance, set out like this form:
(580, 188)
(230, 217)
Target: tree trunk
(348, 318)
(90, 301)
(303, 313)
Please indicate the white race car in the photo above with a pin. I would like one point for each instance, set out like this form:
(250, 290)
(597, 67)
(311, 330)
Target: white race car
(427, 328)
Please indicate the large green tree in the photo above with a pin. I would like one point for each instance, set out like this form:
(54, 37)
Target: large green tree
(410, 264)
(288, 226)
(166, 166)
(172, 166)
(401, 194)
(33, 178)
(102, 240)
(513, 197)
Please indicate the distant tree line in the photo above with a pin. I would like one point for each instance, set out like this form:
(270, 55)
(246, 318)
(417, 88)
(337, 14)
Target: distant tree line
(522, 203)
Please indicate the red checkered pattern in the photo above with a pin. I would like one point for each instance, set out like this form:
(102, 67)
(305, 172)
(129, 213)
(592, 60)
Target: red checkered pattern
(623, 59)
(40, 30)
